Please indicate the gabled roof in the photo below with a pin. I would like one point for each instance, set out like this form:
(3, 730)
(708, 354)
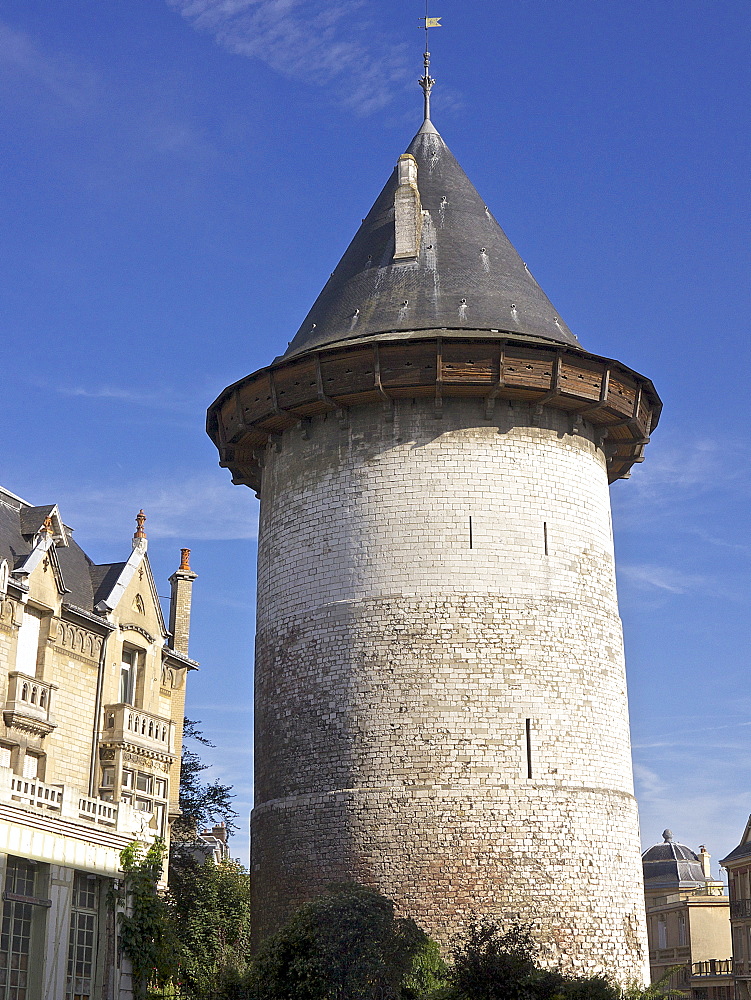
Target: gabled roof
(743, 850)
(467, 274)
(84, 585)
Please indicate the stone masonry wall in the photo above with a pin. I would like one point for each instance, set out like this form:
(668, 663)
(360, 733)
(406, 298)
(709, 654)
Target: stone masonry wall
(441, 707)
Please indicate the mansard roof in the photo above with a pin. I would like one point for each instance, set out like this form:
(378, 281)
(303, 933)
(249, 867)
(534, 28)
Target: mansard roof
(466, 276)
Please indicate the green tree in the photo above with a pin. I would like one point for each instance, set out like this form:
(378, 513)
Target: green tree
(210, 909)
(346, 944)
(200, 804)
(146, 935)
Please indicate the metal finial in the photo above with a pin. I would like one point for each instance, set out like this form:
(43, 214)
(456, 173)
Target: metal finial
(667, 836)
(427, 82)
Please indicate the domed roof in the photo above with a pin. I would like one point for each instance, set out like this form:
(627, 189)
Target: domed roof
(672, 866)
(466, 275)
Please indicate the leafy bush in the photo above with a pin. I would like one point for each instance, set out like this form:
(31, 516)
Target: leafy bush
(347, 944)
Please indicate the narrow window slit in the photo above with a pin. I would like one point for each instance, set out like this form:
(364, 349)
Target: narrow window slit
(528, 733)
(545, 536)
(470, 532)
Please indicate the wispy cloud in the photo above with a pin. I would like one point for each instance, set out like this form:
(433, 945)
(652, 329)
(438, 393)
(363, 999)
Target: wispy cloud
(330, 43)
(651, 577)
(649, 784)
(56, 74)
(198, 507)
(158, 399)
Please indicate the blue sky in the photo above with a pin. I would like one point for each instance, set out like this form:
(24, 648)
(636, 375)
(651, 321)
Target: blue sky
(179, 177)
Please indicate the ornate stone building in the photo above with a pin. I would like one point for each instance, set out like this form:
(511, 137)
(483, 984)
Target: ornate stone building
(440, 689)
(93, 689)
(688, 920)
(738, 865)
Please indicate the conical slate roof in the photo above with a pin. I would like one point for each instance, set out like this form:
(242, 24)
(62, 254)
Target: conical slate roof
(467, 276)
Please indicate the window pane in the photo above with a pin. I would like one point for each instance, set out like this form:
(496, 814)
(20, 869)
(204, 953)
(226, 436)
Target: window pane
(144, 782)
(28, 643)
(127, 779)
(30, 766)
(82, 938)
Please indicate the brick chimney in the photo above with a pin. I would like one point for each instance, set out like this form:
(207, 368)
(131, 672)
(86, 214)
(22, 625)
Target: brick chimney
(181, 582)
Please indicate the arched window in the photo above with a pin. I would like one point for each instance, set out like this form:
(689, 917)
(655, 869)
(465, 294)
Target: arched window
(138, 605)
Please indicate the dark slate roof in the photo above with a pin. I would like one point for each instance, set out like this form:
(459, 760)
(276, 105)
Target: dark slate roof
(743, 850)
(76, 567)
(104, 578)
(672, 866)
(13, 546)
(468, 275)
(84, 582)
(32, 518)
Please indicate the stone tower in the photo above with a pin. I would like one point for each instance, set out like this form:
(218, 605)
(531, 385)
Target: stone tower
(440, 689)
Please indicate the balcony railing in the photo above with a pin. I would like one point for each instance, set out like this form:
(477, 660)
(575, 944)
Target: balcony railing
(126, 724)
(32, 792)
(740, 909)
(30, 700)
(714, 967)
(64, 802)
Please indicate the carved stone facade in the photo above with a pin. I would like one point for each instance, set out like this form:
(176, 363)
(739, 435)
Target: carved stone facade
(89, 749)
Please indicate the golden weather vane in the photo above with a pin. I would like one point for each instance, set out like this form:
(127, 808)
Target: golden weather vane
(427, 81)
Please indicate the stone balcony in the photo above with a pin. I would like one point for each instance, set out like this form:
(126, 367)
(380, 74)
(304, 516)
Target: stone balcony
(124, 724)
(29, 704)
(68, 803)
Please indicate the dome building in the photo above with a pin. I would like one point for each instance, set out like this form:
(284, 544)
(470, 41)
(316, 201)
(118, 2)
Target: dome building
(688, 920)
(440, 691)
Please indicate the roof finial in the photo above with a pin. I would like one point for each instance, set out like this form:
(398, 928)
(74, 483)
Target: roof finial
(427, 81)
(140, 521)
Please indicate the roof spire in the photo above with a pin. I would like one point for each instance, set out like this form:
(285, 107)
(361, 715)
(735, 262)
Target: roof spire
(427, 81)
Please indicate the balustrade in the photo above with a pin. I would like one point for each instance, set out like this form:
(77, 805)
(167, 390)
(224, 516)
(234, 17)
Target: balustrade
(126, 724)
(29, 699)
(68, 803)
(714, 967)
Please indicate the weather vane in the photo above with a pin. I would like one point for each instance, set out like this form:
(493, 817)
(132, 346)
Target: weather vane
(427, 81)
